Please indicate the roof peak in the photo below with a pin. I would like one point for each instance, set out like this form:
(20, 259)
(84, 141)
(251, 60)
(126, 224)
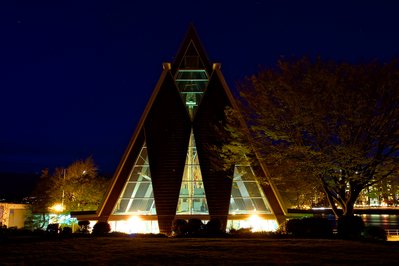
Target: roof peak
(190, 47)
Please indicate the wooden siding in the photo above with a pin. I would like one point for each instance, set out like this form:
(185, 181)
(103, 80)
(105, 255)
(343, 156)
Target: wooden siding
(217, 182)
(167, 131)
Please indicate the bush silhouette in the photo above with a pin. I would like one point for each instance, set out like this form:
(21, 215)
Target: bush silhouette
(179, 227)
(350, 227)
(84, 227)
(66, 231)
(195, 226)
(214, 227)
(308, 227)
(53, 229)
(374, 232)
(101, 228)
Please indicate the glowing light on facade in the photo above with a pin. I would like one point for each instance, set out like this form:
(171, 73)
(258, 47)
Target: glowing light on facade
(135, 225)
(255, 223)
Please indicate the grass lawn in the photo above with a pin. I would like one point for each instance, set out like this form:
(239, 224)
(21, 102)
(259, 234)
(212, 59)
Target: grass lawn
(197, 251)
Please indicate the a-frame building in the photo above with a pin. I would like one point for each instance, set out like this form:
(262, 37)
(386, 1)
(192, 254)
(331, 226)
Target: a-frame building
(168, 170)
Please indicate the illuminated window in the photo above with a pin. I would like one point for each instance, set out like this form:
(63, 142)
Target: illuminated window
(255, 223)
(247, 196)
(137, 196)
(191, 79)
(135, 225)
(192, 199)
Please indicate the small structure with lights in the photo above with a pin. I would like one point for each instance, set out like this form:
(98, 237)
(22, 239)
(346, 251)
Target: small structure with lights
(168, 170)
(13, 214)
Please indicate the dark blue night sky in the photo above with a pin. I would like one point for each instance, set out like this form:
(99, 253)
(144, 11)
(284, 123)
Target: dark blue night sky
(75, 76)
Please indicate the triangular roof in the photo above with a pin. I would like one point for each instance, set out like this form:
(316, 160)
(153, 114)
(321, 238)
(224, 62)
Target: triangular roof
(135, 144)
(191, 44)
(191, 41)
(166, 86)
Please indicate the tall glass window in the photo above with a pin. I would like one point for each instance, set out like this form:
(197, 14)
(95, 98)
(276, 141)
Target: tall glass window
(191, 84)
(137, 196)
(247, 196)
(192, 198)
(191, 79)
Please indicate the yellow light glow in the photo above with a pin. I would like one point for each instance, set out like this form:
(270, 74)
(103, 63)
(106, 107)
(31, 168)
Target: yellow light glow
(257, 224)
(136, 224)
(134, 219)
(133, 225)
(57, 207)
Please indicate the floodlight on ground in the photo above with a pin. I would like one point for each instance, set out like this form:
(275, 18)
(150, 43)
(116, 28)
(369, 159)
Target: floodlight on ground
(136, 224)
(258, 224)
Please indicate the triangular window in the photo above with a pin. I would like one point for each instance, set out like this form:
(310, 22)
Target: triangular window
(247, 196)
(192, 198)
(137, 196)
(191, 79)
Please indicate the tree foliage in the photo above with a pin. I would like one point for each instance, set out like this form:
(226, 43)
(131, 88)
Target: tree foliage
(77, 187)
(332, 125)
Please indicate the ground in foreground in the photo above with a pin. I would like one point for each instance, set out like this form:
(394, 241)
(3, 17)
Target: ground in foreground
(184, 251)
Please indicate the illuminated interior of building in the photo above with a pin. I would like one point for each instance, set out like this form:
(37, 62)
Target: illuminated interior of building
(167, 171)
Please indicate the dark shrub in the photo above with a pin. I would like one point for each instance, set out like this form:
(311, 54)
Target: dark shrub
(213, 227)
(148, 235)
(319, 227)
(373, 232)
(84, 227)
(24, 232)
(101, 228)
(119, 234)
(66, 231)
(195, 226)
(84, 223)
(350, 227)
(308, 227)
(290, 227)
(179, 227)
(38, 232)
(241, 231)
(53, 229)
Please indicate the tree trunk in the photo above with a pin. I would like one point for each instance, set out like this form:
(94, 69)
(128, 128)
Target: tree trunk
(349, 210)
(332, 203)
(350, 203)
(43, 221)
